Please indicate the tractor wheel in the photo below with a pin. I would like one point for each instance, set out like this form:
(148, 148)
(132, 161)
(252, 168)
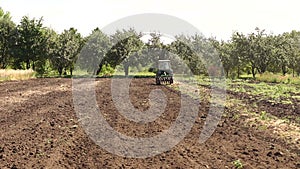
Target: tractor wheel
(171, 80)
(157, 81)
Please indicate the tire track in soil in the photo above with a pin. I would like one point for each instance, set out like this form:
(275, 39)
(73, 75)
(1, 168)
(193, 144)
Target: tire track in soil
(43, 132)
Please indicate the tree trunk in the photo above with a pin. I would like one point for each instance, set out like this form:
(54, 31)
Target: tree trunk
(253, 71)
(60, 70)
(283, 68)
(98, 70)
(33, 66)
(71, 71)
(28, 64)
(3, 60)
(126, 69)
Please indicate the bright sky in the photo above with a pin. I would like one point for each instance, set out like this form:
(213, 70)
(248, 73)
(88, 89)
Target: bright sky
(212, 17)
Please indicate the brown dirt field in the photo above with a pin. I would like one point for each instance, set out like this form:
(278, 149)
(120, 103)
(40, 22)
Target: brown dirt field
(39, 129)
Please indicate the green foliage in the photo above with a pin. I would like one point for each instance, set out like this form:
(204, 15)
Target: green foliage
(93, 54)
(276, 78)
(154, 70)
(195, 55)
(125, 50)
(263, 127)
(40, 68)
(263, 115)
(273, 92)
(229, 57)
(7, 35)
(31, 43)
(66, 49)
(107, 71)
(238, 164)
(236, 116)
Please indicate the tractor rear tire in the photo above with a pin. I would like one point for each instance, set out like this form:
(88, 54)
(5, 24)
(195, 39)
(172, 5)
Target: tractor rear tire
(157, 81)
(171, 80)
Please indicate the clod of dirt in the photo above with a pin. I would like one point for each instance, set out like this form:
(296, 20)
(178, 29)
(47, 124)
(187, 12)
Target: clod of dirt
(245, 153)
(14, 150)
(74, 126)
(52, 123)
(272, 147)
(14, 167)
(278, 154)
(269, 154)
(1, 150)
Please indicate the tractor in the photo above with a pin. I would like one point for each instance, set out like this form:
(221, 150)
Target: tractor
(164, 74)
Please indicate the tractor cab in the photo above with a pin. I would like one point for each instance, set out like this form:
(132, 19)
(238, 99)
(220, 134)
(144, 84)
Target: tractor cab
(164, 65)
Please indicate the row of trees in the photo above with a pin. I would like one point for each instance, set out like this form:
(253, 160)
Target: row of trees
(188, 54)
(30, 45)
(259, 52)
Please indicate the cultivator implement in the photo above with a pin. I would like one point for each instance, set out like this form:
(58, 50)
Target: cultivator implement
(164, 80)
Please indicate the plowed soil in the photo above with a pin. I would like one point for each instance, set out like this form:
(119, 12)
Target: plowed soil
(39, 129)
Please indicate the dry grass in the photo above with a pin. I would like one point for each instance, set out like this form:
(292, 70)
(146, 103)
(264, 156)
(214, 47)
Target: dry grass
(10, 74)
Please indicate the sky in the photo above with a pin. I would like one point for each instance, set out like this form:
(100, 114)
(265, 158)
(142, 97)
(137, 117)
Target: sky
(218, 18)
